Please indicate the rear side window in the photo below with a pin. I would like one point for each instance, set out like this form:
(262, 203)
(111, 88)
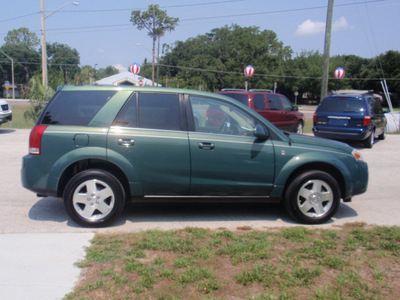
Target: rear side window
(240, 97)
(76, 108)
(375, 106)
(159, 111)
(259, 102)
(344, 105)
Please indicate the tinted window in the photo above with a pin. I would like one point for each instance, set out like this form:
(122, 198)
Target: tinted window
(274, 102)
(159, 111)
(75, 107)
(127, 116)
(259, 102)
(213, 116)
(240, 97)
(287, 105)
(375, 106)
(341, 105)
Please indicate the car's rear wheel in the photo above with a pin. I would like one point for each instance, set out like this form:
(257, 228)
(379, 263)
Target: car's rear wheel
(299, 127)
(94, 198)
(369, 142)
(313, 197)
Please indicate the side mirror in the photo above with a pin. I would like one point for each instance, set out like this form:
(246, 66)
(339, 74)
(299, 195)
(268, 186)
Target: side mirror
(260, 133)
(295, 108)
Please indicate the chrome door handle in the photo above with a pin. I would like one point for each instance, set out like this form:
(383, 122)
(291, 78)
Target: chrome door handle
(126, 142)
(206, 146)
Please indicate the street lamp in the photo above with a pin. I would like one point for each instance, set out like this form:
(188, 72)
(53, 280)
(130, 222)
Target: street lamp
(12, 73)
(44, 50)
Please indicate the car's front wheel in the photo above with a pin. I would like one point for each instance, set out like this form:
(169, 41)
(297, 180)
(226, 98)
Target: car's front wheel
(94, 198)
(313, 197)
(299, 127)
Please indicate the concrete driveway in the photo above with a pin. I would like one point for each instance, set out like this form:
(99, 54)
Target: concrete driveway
(37, 236)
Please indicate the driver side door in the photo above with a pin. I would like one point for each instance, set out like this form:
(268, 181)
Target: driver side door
(226, 158)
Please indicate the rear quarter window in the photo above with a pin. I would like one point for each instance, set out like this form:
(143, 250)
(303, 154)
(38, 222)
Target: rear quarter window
(75, 108)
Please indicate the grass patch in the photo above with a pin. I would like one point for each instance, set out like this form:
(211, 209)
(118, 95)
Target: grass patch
(355, 261)
(18, 120)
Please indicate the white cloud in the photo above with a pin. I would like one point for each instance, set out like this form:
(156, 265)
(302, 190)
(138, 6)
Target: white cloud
(310, 28)
(340, 24)
(315, 27)
(120, 68)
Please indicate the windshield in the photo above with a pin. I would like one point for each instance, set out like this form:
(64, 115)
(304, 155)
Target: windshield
(341, 105)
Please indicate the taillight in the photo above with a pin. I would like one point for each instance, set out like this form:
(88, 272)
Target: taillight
(315, 118)
(35, 139)
(367, 120)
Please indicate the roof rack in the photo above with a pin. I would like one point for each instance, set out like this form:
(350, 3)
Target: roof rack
(260, 90)
(233, 90)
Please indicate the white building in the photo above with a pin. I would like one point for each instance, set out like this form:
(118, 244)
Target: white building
(125, 78)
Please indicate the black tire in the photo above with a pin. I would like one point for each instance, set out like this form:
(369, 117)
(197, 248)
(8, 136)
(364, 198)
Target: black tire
(369, 142)
(313, 197)
(94, 198)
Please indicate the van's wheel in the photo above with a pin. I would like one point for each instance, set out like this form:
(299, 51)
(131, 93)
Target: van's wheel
(313, 197)
(369, 142)
(94, 198)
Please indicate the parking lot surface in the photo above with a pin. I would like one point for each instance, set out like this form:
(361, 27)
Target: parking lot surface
(41, 228)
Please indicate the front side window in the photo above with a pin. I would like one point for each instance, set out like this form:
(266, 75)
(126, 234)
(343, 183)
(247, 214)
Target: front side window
(214, 116)
(287, 105)
(274, 102)
(75, 108)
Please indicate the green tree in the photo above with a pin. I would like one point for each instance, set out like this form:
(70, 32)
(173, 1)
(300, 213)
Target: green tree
(217, 59)
(156, 22)
(22, 36)
(26, 62)
(38, 97)
(63, 58)
(105, 72)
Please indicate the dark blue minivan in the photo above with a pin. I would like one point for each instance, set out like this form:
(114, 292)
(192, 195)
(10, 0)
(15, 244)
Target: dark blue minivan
(350, 117)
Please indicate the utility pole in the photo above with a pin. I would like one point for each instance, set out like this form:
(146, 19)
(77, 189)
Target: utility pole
(12, 73)
(325, 68)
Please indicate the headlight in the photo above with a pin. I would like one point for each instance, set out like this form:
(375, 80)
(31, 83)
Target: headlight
(357, 155)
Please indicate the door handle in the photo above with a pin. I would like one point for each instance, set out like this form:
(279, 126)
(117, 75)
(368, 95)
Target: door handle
(206, 146)
(126, 142)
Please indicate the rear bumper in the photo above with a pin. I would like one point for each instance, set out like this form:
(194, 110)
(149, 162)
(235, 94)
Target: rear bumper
(6, 117)
(348, 135)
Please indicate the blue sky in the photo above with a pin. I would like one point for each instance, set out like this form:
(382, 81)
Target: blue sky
(102, 33)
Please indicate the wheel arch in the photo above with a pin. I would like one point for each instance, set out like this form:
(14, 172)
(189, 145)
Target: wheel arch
(86, 164)
(318, 166)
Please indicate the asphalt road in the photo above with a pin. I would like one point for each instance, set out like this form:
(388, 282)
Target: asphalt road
(22, 212)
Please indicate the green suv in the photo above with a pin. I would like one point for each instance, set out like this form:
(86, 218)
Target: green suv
(97, 147)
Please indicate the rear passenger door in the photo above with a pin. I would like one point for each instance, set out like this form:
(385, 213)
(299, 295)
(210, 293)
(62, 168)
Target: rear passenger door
(149, 138)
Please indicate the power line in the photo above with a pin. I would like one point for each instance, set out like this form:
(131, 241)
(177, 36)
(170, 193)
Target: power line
(224, 72)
